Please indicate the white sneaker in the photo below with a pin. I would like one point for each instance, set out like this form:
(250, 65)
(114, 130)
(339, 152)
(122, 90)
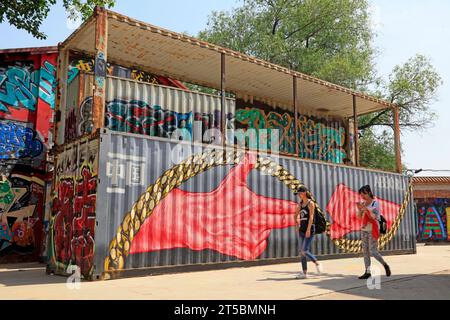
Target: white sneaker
(301, 275)
(319, 268)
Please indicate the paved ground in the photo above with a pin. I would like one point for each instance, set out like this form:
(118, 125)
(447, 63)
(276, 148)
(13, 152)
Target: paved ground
(422, 276)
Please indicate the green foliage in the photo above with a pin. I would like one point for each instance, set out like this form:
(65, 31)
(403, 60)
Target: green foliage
(412, 86)
(29, 15)
(329, 39)
(377, 151)
(333, 40)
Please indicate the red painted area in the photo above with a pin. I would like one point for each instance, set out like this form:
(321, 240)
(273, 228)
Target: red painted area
(75, 220)
(41, 116)
(232, 219)
(44, 120)
(342, 209)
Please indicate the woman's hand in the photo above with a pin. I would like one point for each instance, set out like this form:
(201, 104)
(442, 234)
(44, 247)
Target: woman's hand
(308, 234)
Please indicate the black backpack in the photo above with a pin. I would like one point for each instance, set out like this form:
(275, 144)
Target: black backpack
(383, 225)
(320, 223)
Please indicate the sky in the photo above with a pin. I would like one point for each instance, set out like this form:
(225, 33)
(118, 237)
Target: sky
(404, 28)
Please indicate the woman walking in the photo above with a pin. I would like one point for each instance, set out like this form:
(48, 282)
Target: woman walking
(305, 221)
(369, 212)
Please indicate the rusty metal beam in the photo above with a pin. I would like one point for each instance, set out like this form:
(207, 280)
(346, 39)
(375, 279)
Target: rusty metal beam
(223, 114)
(398, 154)
(295, 97)
(355, 132)
(348, 149)
(101, 48)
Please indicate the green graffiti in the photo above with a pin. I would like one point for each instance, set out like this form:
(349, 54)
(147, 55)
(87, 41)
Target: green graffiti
(6, 195)
(318, 140)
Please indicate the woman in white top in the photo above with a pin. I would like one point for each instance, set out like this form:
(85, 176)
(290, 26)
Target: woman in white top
(369, 212)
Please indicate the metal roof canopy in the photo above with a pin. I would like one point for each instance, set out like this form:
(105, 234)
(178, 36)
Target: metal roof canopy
(30, 50)
(171, 54)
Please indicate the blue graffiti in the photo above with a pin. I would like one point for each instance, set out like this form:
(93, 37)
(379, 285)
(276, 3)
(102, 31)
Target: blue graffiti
(47, 84)
(18, 142)
(73, 72)
(18, 88)
(136, 116)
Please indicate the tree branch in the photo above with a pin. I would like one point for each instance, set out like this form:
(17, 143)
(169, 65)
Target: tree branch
(373, 120)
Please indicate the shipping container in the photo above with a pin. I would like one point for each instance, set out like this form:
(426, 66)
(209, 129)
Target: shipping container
(150, 175)
(27, 103)
(127, 202)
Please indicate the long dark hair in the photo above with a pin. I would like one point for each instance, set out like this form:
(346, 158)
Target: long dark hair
(367, 190)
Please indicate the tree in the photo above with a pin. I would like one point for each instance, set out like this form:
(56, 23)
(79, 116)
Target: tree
(332, 40)
(412, 86)
(329, 39)
(29, 15)
(377, 151)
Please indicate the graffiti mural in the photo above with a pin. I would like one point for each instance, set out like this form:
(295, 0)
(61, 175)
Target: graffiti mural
(28, 91)
(318, 139)
(215, 207)
(344, 213)
(86, 65)
(72, 223)
(136, 116)
(27, 102)
(21, 217)
(74, 212)
(85, 123)
(224, 228)
(47, 83)
(433, 215)
(19, 86)
(18, 142)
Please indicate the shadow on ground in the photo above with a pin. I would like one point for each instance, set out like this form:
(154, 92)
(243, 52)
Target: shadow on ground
(435, 286)
(28, 276)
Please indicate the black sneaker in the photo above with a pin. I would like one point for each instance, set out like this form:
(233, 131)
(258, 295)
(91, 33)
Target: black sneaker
(365, 276)
(388, 270)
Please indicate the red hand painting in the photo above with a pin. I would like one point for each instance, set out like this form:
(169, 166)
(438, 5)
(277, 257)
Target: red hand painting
(342, 209)
(231, 219)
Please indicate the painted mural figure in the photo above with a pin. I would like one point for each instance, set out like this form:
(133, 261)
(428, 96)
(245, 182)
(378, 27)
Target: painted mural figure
(433, 219)
(20, 210)
(305, 220)
(369, 212)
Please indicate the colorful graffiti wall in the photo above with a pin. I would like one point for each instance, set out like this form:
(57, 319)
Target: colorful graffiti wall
(146, 109)
(27, 92)
(86, 65)
(433, 219)
(135, 116)
(27, 102)
(78, 118)
(318, 139)
(21, 216)
(73, 208)
(154, 212)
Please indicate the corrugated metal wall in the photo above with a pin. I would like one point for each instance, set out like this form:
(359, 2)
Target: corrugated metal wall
(78, 114)
(154, 110)
(321, 139)
(129, 164)
(73, 211)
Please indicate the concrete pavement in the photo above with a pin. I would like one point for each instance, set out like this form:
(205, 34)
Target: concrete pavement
(422, 276)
